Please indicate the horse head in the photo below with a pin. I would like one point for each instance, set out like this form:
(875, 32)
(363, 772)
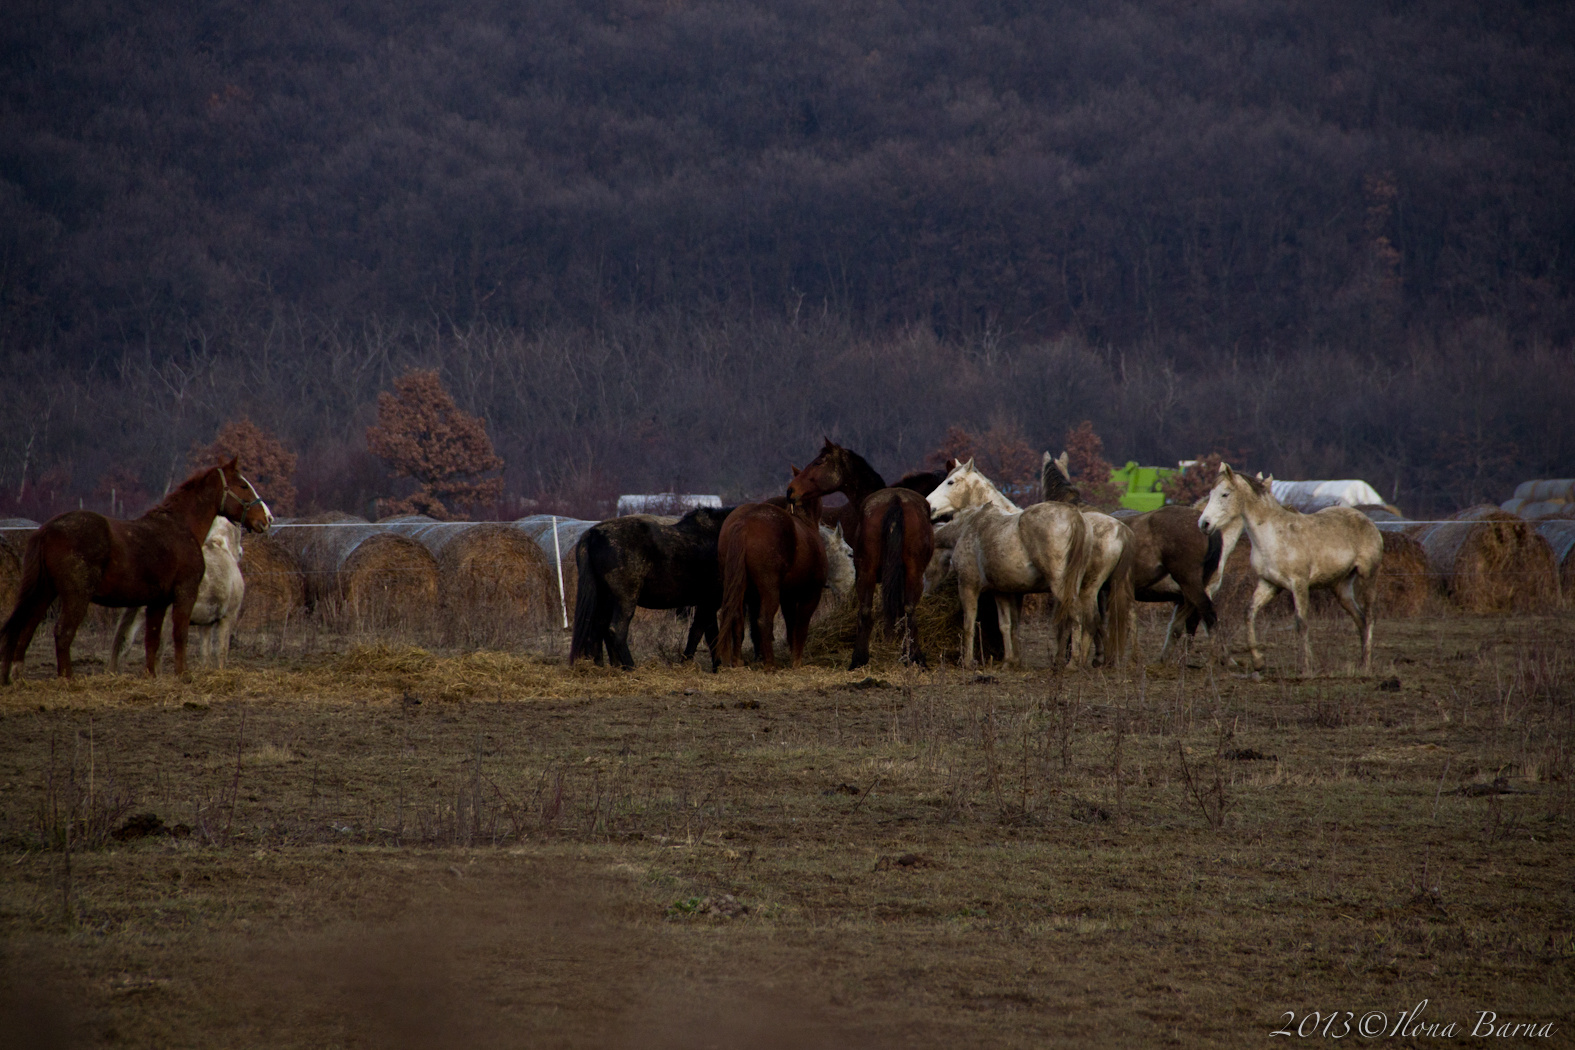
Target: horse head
(965, 487)
(239, 500)
(1228, 500)
(823, 476)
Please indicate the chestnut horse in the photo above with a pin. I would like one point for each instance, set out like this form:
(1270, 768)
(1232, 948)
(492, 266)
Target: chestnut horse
(892, 539)
(770, 557)
(154, 561)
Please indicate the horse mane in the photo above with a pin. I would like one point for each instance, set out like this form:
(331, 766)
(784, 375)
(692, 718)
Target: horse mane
(1257, 484)
(1055, 486)
(864, 477)
(180, 492)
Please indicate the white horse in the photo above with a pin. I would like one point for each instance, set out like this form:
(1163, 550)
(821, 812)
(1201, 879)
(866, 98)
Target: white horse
(839, 563)
(1106, 595)
(1338, 548)
(998, 546)
(218, 598)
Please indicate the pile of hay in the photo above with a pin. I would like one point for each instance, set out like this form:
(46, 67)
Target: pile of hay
(13, 541)
(493, 579)
(355, 568)
(1491, 561)
(1559, 533)
(275, 588)
(940, 629)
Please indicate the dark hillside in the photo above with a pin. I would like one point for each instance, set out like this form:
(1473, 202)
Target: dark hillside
(214, 207)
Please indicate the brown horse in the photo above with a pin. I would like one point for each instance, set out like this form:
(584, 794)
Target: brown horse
(154, 561)
(770, 557)
(892, 539)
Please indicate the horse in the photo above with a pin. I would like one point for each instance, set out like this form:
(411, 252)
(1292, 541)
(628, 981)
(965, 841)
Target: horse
(891, 536)
(770, 557)
(218, 599)
(638, 561)
(840, 575)
(1173, 560)
(1107, 591)
(154, 561)
(1337, 548)
(1002, 548)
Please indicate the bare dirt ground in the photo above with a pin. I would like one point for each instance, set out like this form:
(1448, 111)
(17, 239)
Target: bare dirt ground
(336, 843)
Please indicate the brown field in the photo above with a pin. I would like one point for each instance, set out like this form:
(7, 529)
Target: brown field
(367, 844)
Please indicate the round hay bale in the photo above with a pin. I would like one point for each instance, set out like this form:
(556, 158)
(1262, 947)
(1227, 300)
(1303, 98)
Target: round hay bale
(539, 527)
(1403, 580)
(350, 565)
(13, 541)
(1239, 581)
(1559, 534)
(1487, 560)
(275, 587)
(493, 580)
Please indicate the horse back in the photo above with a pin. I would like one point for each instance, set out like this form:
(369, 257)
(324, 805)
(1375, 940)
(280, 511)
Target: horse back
(118, 563)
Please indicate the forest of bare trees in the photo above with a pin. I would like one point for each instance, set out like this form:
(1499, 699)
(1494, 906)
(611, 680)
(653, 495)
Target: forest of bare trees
(672, 244)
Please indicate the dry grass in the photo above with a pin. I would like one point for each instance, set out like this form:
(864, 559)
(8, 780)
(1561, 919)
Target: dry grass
(381, 845)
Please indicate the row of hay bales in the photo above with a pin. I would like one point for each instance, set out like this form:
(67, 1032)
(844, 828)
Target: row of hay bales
(1541, 499)
(1482, 560)
(473, 578)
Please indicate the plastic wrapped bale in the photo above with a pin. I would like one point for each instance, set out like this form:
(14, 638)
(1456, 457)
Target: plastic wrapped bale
(275, 587)
(494, 581)
(1559, 533)
(361, 571)
(13, 541)
(1487, 560)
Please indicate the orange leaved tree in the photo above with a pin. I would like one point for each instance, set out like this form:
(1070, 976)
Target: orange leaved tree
(422, 434)
(1089, 468)
(267, 464)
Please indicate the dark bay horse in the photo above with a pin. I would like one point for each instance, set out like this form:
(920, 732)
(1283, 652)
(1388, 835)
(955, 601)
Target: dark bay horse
(892, 539)
(638, 561)
(1173, 560)
(771, 557)
(154, 561)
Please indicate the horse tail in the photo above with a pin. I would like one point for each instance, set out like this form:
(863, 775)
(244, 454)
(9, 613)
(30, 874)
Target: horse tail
(893, 569)
(1067, 609)
(32, 589)
(588, 626)
(735, 585)
(1118, 615)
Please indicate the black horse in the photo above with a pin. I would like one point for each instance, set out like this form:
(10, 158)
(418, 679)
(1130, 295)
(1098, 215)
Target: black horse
(637, 561)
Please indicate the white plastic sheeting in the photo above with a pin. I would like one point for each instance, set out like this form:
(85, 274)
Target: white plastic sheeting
(1315, 495)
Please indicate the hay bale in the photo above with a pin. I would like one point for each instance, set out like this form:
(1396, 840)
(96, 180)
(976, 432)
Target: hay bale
(539, 527)
(1403, 577)
(493, 579)
(351, 565)
(1559, 534)
(13, 541)
(1562, 489)
(275, 587)
(1491, 561)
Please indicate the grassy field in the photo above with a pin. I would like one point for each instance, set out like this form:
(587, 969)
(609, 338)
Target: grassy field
(343, 843)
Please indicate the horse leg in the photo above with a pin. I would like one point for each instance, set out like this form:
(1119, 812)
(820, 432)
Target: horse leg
(1303, 628)
(73, 608)
(223, 628)
(1262, 596)
(17, 651)
(180, 633)
(123, 636)
(970, 610)
(1008, 613)
(765, 625)
(618, 635)
(865, 589)
(1356, 594)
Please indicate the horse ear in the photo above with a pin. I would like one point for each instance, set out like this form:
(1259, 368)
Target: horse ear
(1225, 471)
(795, 470)
(968, 465)
(828, 442)
(1064, 461)
(1045, 459)
(233, 464)
(951, 464)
